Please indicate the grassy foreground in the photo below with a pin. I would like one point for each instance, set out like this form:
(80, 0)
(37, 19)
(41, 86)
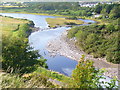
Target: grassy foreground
(38, 79)
(53, 22)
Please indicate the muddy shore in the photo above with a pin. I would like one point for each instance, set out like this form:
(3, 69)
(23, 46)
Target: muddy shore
(67, 47)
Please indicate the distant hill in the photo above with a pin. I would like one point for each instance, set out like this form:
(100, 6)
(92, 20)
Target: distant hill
(98, 0)
(54, 0)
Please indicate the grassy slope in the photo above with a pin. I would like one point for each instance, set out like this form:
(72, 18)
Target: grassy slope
(9, 25)
(61, 21)
(53, 75)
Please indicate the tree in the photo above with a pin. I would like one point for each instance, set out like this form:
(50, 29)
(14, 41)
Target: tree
(108, 8)
(114, 51)
(18, 56)
(105, 14)
(85, 75)
(89, 14)
(84, 13)
(115, 12)
(19, 4)
(110, 28)
(98, 8)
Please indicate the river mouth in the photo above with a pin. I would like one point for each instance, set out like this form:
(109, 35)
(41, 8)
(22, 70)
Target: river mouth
(39, 40)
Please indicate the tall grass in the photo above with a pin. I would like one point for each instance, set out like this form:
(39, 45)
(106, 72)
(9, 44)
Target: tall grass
(26, 81)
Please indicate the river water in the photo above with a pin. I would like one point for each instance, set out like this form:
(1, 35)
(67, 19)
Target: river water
(39, 40)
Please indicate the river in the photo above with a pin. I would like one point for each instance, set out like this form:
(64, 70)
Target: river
(39, 39)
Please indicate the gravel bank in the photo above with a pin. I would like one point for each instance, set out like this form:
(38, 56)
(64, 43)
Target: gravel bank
(66, 47)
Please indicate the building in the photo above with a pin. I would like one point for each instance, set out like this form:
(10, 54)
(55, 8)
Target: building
(91, 4)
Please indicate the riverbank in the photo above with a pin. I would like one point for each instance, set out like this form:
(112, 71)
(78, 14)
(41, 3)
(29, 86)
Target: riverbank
(66, 47)
(82, 17)
(1, 11)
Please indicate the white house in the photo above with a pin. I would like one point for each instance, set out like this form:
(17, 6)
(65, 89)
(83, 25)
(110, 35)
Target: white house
(91, 4)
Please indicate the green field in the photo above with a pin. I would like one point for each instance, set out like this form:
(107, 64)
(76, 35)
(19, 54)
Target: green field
(62, 22)
(9, 25)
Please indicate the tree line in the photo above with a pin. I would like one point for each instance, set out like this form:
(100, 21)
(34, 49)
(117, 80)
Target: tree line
(68, 8)
(111, 11)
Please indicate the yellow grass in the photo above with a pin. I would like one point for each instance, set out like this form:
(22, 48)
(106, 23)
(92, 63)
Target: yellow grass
(23, 12)
(8, 25)
(12, 6)
(61, 21)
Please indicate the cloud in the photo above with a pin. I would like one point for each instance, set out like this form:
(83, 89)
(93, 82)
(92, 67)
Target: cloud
(67, 71)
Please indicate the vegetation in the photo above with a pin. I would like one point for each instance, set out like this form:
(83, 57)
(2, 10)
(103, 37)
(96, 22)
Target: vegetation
(72, 17)
(17, 56)
(59, 8)
(25, 70)
(108, 10)
(10, 24)
(99, 40)
(66, 8)
(86, 76)
(30, 81)
(53, 22)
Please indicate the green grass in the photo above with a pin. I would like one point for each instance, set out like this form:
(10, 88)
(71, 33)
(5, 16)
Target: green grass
(9, 25)
(62, 21)
(38, 78)
(11, 81)
(53, 75)
(33, 81)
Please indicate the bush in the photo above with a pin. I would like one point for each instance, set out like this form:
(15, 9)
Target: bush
(72, 32)
(99, 40)
(87, 76)
(72, 17)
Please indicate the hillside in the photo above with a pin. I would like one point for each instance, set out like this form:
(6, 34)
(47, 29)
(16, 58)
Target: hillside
(9, 25)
